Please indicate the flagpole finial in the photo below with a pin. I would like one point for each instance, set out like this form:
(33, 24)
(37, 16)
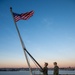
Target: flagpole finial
(11, 8)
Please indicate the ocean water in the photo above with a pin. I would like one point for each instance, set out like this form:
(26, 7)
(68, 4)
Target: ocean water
(14, 72)
(34, 72)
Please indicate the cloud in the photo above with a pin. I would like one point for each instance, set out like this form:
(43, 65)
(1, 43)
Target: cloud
(47, 22)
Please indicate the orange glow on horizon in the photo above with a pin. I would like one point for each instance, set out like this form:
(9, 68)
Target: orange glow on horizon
(23, 64)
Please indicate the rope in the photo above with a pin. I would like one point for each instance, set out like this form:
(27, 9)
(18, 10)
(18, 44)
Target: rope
(37, 68)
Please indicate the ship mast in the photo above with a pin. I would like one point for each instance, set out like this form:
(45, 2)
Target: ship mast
(23, 46)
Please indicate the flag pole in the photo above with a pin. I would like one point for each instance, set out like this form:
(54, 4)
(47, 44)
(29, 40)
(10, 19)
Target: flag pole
(24, 49)
(21, 41)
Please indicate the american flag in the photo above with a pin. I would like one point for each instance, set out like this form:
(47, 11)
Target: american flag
(23, 16)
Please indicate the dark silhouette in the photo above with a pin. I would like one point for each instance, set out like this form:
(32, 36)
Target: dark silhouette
(45, 69)
(56, 69)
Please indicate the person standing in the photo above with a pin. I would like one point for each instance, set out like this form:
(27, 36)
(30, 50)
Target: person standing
(56, 69)
(45, 69)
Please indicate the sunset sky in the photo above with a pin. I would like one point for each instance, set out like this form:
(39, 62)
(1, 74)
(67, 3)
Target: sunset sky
(49, 35)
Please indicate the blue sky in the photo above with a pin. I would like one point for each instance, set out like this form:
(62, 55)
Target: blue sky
(49, 35)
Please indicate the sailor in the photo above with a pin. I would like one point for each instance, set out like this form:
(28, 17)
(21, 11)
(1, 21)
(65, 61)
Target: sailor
(45, 69)
(56, 69)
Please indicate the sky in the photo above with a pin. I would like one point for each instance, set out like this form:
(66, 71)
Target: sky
(49, 35)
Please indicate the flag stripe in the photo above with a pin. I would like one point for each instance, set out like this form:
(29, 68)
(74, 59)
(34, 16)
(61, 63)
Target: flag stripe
(23, 16)
(27, 15)
(17, 18)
